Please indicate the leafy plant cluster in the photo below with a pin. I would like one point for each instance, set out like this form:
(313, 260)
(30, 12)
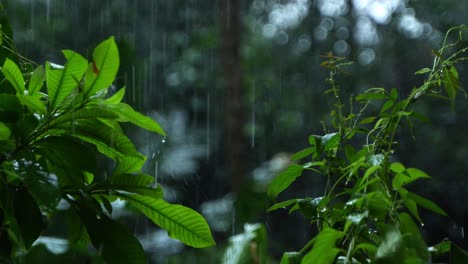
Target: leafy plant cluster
(367, 213)
(55, 120)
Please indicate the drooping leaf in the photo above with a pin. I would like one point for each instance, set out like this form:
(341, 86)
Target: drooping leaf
(324, 250)
(283, 180)
(181, 223)
(116, 243)
(330, 141)
(13, 74)
(62, 80)
(36, 81)
(127, 114)
(103, 69)
(425, 203)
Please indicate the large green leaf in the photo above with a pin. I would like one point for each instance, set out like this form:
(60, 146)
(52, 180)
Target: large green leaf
(283, 180)
(324, 250)
(425, 203)
(181, 223)
(4, 132)
(103, 69)
(13, 75)
(413, 241)
(36, 81)
(62, 80)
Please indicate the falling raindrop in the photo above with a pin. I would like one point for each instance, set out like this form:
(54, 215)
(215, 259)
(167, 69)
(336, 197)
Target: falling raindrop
(208, 126)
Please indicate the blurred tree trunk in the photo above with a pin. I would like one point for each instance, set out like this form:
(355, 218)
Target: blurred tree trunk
(234, 116)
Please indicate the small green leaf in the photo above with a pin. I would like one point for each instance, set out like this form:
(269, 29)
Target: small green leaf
(117, 97)
(423, 71)
(282, 204)
(302, 154)
(367, 120)
(88, 177)
(181, 223)
(283, 180)
(13, 74)
(36, 81)
(103, 69)
(291, 258)
(397, 167)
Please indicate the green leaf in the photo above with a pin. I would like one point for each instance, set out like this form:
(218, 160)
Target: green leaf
(127, 114)
(33, 103)
(407, 176)
(302, 154)
(367, 120)
(181, 223)
(330, 141)
(89, 112)
(62, 80)
(36, 81)
(9, 103)
(423, 71)
(291, 258)
(397, 167)
(282, 204)
(451, 83)
(425, 203)
(414, 243)
(135, 183)
(129, 165)
(324, 250)
(458, 255)
(371, 96)
(117, 97)
(283, 180)
(4, 132)
(103, 69)
(116, 243)
(13, 74)
(375, 160)
(43, 188)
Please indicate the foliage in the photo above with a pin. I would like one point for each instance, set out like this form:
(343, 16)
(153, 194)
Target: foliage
(50, 139)
(368, 213)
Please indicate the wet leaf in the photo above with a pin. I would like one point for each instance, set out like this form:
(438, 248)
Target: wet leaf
(13, 74)
(283, 180)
